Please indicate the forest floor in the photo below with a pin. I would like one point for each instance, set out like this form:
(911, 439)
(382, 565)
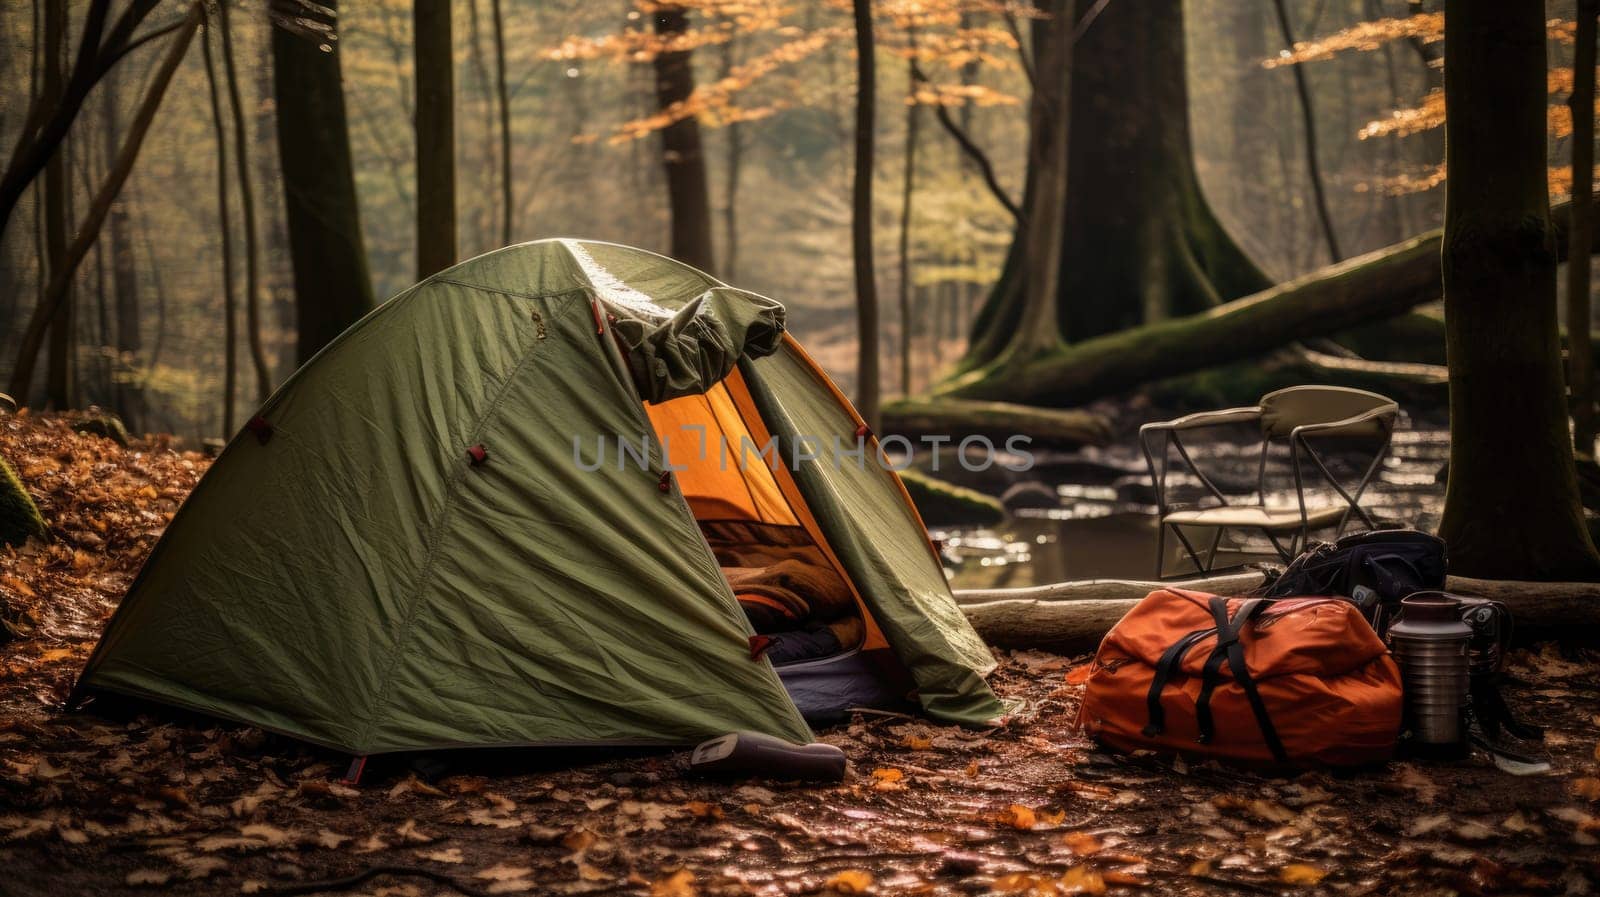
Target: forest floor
(160, 804)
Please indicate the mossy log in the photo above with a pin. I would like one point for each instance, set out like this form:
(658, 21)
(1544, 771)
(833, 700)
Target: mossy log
(1072, 617)
(995, 421)
(106, 426)
(946, 504)
(19, 517)
(1416, 336)
(1245, 382)
(1372, 287)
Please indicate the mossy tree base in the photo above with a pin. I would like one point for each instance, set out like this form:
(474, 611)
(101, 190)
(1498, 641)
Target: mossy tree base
(946, 504)
(19, 517)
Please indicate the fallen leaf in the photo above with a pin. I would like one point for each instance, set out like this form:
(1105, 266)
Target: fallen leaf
(1517, 822)
(1301, 874)
(579, 839)
(888, 779)
(916, 742)
(410, 834)
(1587, 788)
(1123, 878)
(1083, 880)
(1411, 777)
(1425, 824)
(448, 855)
(330, 839)
(486, 816)
(754, 794)
(201, 866)
(1082, 843)
(414, 785)
(152, 877)
(850, 881)
(1017, 816)
(502, 872)
(678, 884)
(700, 809)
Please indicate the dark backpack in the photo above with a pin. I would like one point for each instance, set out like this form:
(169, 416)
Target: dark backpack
(1375, 569)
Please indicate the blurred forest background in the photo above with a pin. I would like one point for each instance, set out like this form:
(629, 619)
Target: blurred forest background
(164, 293)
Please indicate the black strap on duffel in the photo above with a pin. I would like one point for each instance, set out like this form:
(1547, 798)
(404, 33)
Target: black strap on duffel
(1228, 649)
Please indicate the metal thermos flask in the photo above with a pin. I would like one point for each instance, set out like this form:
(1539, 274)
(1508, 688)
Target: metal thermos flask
(1430, 643)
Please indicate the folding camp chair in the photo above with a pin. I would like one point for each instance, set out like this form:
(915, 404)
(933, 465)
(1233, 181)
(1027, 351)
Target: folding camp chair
(1295, 414)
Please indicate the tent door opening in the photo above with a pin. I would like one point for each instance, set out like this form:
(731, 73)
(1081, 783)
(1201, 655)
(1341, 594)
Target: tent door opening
(821, 637)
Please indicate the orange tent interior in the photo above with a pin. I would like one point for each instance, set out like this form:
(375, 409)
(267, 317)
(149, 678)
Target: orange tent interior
(714, 443)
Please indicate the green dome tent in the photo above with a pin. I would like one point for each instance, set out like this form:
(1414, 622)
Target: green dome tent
(412, 547)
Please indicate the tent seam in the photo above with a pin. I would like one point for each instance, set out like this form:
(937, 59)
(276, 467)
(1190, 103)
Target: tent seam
(530, 349)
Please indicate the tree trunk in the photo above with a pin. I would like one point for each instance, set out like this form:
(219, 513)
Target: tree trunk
(321, 213)
(59, 374)
(1308, 119)
(1139, 242)
(230, 316)
(1045, 213)
(1372, 287)
(682, 153)
(867, 388)
(247, 203)
(127, 396)
(1580, 349)
(116, 176)
(46, 124)
(503, 102)
(435, 135)
(733, 134)
(1511, 506)
(908, 188)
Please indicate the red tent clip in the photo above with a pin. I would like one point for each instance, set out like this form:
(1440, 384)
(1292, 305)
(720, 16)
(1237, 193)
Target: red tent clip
(261, 427)
(352, 776)
(665, 483)
(594, 306)
(863, 431)
(759, 645)
(478, 455)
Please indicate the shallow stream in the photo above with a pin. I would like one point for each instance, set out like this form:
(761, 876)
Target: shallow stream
(1104, 525)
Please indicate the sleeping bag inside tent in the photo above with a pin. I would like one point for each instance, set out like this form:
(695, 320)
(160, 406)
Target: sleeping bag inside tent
(564, 493)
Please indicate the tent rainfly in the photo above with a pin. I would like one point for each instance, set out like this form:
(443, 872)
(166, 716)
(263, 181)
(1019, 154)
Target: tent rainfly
(412, 545)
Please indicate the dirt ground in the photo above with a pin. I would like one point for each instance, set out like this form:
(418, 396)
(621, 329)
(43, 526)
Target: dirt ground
(161, 804)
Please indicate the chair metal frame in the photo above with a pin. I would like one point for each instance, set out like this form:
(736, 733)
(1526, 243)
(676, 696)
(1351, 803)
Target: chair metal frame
(1383, 417)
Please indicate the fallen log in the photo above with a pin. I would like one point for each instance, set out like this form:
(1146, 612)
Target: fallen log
(1112, 589)
(956, 419)
(1072, 617)
(1372, 287)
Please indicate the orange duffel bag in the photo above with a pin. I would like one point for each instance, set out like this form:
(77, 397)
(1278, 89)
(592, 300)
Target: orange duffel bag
(1292, 681)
